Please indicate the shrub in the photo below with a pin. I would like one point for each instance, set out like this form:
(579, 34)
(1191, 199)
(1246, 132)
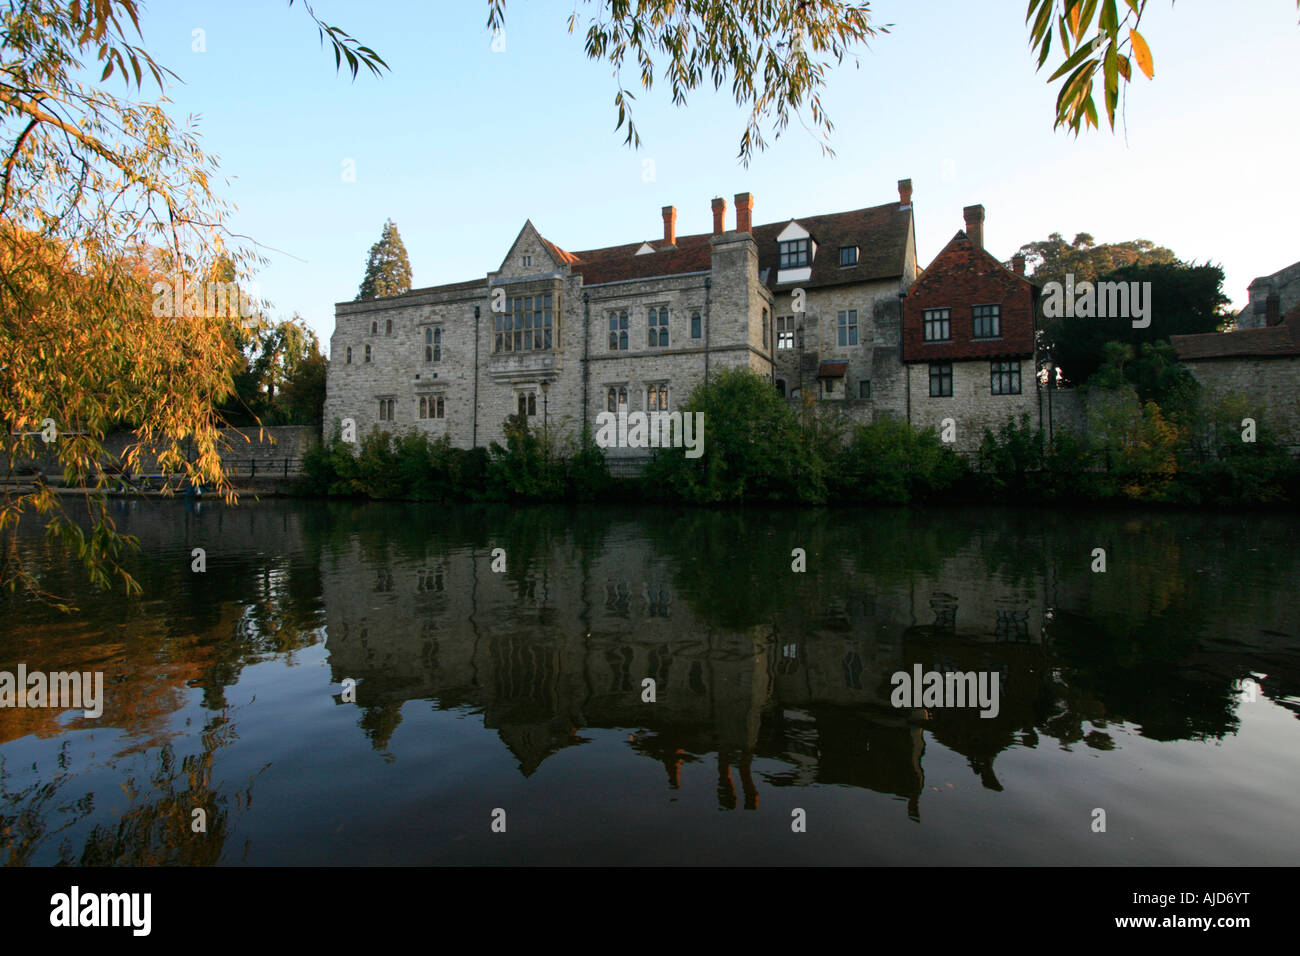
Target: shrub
(891, 462)
(753, 448)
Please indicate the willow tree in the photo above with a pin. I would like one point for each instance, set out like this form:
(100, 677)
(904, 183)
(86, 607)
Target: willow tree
(106, 204)
(1096, 40)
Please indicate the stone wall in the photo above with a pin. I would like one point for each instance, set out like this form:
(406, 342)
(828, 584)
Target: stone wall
(971, 406)
(239, 448)
(1270, 386)
(1064, 409)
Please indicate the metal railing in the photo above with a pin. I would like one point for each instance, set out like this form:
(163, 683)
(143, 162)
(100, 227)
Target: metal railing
(264, 467)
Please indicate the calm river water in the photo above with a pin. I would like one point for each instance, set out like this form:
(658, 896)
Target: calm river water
(1164, 691)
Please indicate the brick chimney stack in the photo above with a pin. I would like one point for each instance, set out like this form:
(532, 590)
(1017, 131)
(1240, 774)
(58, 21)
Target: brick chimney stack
(744, 212)
(670, 225)
(1018, 264)
(719, 216)
(975, 225)
(905, 193)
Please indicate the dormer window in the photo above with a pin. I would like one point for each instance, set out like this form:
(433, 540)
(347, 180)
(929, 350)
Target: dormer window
(848, 256)
(794, 254)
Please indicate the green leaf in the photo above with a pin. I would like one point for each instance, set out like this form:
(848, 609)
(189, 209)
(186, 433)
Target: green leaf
(1109, 18)
(1072, 62)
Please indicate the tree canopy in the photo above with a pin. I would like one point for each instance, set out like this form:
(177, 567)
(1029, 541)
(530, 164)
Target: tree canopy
(105, 200)
(1052, 259)
(388, 270)
(1185, 299)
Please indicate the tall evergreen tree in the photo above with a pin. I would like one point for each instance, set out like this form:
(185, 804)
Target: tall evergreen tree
(388, 271)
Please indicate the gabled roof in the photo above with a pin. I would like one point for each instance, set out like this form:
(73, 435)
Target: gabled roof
(558, 254)
(930, 273)
(1281, 340)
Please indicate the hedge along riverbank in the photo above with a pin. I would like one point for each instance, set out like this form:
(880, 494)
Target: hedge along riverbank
(757, 449)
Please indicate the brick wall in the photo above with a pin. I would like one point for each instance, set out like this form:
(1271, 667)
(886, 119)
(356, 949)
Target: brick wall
(960, 277)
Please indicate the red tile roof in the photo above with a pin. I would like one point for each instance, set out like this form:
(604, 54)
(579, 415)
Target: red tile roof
(881, 234)
(832, 369)
(558, 254)
(617, 263)
(1279, 340)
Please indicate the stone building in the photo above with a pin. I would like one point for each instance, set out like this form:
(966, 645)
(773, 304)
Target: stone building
(968, 343)
(808, 303)
(1262, 365)
(1271, 297)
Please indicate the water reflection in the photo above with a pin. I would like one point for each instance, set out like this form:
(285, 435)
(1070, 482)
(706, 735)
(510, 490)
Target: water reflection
(772, 679)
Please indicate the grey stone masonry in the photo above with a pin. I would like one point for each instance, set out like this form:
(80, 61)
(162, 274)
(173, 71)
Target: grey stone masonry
(814, 306)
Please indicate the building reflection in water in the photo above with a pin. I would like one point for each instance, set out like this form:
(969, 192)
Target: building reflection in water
(770, 679)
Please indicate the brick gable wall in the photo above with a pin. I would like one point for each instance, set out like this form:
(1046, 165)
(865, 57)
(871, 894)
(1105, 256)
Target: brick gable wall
(963, 276)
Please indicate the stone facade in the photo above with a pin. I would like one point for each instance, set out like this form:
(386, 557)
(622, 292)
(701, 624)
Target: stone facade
(440, 359)
(1271, 297)
(1269, 386)
(1259, 364)
(826, 307)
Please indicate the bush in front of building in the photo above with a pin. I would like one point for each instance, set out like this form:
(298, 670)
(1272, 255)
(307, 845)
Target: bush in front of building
(753, 448)
(526, 466)
(889, 461)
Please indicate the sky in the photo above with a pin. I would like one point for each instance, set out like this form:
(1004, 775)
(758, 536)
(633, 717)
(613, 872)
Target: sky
(459, 143)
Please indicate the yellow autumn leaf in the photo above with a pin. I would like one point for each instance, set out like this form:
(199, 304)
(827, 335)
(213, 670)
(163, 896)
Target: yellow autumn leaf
(1141, 53)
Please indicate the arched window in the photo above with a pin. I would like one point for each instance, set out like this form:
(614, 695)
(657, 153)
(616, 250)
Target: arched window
(424, 407)
(349, 360)
(367, 353)
(388, 327)
(532, 403)
(374, 328)
(695, 325)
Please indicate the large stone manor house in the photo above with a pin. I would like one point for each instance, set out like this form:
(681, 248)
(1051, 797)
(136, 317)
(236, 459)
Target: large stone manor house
(564, 336)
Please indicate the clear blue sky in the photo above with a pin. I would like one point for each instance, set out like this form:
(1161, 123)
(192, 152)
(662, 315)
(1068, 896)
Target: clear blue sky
(459, 145)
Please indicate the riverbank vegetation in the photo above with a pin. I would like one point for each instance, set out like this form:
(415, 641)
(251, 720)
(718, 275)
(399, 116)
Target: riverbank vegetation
(1152, 436)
